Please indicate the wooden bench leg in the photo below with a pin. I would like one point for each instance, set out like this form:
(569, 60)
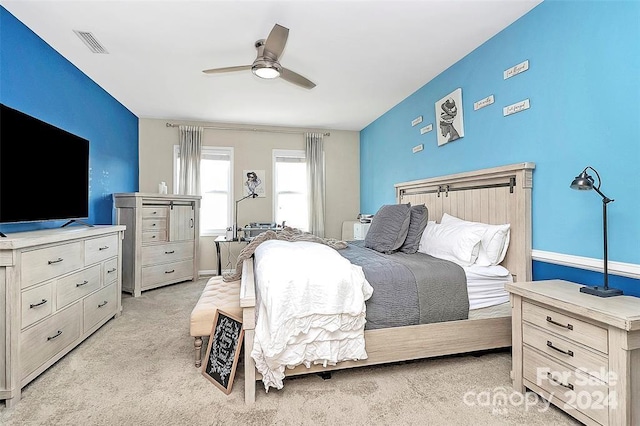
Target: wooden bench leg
(198, 346)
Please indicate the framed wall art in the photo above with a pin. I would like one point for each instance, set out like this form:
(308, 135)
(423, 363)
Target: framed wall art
(449, 117)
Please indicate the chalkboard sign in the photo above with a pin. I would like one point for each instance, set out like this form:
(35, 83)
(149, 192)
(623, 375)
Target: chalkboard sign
(223, 351)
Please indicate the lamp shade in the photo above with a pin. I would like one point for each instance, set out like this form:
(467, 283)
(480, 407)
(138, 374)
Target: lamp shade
(582, 182)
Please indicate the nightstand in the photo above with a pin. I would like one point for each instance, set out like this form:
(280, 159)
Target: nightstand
(578, 351)
(360, 230)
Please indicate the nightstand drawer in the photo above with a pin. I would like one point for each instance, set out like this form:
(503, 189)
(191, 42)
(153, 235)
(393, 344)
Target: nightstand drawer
(566, 351)
(575, 389)
(566, 326)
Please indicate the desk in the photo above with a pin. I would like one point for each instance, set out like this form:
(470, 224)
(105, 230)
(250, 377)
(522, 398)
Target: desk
(223, 239)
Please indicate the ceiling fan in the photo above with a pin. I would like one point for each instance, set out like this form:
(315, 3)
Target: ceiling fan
(267, 63)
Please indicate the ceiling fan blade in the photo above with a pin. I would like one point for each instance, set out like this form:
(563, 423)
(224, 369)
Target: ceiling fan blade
(276, 41)
(227, 69)
(295, 78)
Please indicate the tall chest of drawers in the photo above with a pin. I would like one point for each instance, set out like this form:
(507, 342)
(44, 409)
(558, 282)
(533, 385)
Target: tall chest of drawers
(57, 287)
(578, 351)
(161, 242)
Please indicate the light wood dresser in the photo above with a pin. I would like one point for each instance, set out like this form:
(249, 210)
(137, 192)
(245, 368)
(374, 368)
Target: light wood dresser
(161, 242)
(57, 287)
(578, 351)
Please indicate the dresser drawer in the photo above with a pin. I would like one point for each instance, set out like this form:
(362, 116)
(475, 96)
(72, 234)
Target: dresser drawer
(154, 224)
(576, 390)
(154, 212)
(152, 255)
(41, 342)
(575, 355)
(78, 285)
(566, 326)
(100, 305)
(152, 276)
(44, 264)
(159, 235)
(99, 249)
(36, 303)
(110, 271)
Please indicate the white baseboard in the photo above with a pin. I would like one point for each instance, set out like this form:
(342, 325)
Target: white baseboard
(630, 270)
(212, 272)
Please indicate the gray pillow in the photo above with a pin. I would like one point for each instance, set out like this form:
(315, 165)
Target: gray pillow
(389, 228)
(417, 224)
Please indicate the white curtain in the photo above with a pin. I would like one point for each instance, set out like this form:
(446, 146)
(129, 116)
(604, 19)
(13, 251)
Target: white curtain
(190, 153)
(315, 182)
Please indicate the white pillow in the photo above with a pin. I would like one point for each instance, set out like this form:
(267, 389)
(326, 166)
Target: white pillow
(494, 243)
(459, 244)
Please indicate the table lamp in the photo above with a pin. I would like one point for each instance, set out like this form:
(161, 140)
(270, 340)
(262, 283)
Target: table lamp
(235, 223)
(585, 182)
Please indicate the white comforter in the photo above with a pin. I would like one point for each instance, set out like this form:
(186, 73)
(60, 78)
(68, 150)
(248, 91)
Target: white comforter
(310, 308)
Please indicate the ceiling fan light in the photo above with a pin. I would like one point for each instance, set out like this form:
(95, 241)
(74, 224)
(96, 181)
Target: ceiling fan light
(266, 72)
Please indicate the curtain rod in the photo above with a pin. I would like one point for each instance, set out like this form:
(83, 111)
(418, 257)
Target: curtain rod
(244, 129)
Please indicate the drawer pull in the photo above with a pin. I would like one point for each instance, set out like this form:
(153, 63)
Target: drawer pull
(170, 272)
(58, 260)
(85, 282)
(568, 326)
(153, 236)
(35, 305)
(568, 385)
(153, 224)
(102, 304)
(154, 212)
(169, 252)
(567, 352)
(111, 270)
(55, 335)
(103, 248)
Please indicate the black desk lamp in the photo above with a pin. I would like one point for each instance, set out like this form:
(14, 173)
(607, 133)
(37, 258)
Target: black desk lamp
(235, 223)
(585, 182)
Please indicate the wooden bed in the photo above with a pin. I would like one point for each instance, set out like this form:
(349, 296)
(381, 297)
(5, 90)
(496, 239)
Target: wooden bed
(495, 196)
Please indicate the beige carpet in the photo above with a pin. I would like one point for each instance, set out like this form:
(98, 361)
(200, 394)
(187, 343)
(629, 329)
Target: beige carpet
(138, 370)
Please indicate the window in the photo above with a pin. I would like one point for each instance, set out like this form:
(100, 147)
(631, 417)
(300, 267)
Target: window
(290, 188)
(216, 183)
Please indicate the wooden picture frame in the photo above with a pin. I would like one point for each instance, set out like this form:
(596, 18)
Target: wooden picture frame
(223, 350)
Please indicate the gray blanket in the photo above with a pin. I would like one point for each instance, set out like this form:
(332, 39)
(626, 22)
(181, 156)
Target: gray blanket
(410, 289)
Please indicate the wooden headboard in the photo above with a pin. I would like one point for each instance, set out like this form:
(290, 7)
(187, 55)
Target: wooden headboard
(497, 195)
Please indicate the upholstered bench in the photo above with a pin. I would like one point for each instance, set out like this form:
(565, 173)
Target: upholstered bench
(217, 294)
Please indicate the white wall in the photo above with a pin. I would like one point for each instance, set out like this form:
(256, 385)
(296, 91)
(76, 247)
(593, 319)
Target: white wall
(253, 150)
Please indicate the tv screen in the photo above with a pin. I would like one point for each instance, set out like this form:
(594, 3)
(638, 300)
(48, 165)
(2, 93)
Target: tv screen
(44, 170)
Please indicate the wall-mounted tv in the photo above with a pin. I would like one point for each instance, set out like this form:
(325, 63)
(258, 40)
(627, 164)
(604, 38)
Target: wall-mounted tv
(44, 170)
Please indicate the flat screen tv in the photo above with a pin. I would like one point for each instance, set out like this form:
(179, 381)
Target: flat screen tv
(44, 170)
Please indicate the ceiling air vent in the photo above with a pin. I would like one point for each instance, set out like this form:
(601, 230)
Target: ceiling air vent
(92, 43)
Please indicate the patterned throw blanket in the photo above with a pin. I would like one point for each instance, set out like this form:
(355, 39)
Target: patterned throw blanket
(287, 234)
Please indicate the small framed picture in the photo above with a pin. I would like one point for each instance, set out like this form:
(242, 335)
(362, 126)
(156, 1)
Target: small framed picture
(225, 342)
(449, 117)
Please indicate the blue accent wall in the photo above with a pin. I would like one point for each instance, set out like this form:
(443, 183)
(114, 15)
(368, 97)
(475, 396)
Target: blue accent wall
(584, 93)
(38, 81)
(548, 271)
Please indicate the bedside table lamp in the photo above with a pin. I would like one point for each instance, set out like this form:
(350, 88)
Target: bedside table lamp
(235, 223)
(585, 182)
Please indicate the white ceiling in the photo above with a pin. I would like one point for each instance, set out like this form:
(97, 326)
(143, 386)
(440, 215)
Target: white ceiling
(364, 56)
